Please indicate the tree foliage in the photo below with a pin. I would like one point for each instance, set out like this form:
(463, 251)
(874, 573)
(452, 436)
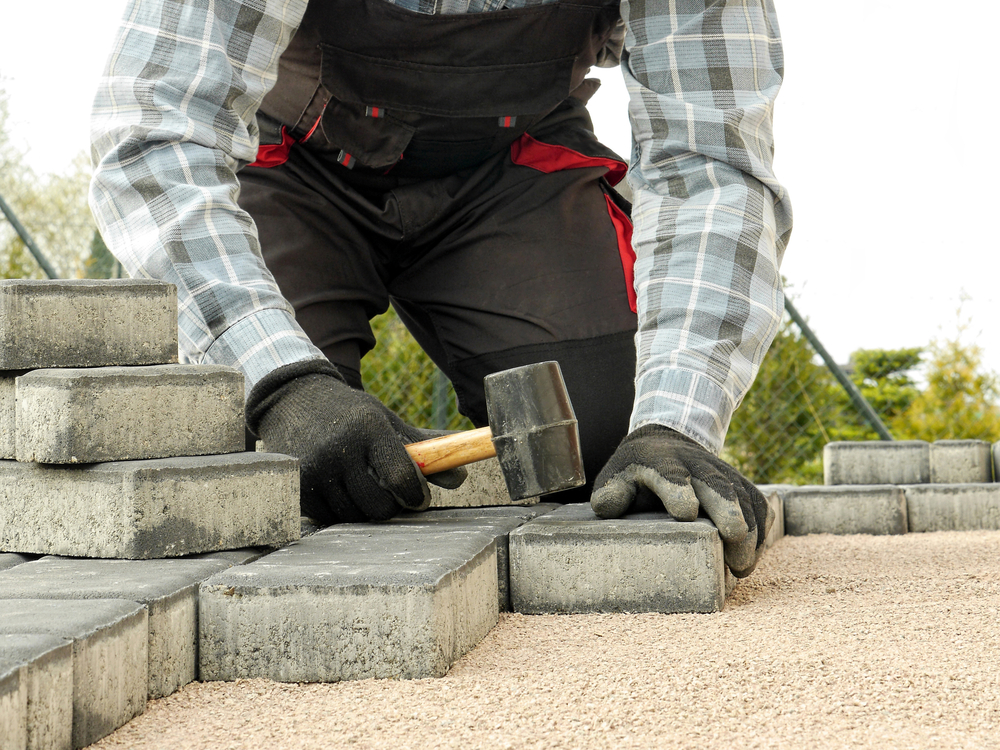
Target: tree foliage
(960, 400)
(53, 208)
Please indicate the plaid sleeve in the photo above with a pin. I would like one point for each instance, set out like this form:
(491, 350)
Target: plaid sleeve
(711, 220)
(173, 121)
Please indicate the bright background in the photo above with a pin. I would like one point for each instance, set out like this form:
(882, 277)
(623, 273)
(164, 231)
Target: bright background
(884, 137)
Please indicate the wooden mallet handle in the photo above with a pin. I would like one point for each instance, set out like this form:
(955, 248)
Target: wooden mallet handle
(443, 453)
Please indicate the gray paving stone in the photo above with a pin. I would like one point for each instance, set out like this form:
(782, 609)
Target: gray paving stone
(571, 561)
(953, 507)
(167, 588)
(497, 521)
(86, 323)
(776, 500)
(47, 663)
(10, 559)
(87, 415)
(109, 656)
(13, 707)
(351, 602)
(854, 509)
(877, 462)
(7, 412)
(166, 507)
(961, 461)
(484, 486)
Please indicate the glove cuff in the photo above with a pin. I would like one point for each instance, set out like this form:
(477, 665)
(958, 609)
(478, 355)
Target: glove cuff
(268, 389)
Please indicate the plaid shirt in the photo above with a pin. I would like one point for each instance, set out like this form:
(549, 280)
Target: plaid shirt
(174, 121)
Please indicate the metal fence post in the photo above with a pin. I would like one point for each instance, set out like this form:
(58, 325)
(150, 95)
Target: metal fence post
(26, 238)
(859, 401)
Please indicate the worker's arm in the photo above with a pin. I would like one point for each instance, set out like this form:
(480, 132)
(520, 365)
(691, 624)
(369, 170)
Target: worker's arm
(174, 119)
(711, 224)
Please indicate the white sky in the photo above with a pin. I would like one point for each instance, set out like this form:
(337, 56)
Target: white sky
(883, 136)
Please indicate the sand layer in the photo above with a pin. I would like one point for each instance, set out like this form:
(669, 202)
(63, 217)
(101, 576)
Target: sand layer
(853, 641)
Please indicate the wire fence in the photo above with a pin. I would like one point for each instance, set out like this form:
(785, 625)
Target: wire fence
(795, 407)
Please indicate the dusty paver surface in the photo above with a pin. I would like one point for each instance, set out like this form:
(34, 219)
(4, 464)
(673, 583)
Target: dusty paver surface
(835, 642)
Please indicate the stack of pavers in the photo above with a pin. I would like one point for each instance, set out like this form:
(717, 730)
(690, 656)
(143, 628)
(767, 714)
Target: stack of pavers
(895, 487)
(122, 480)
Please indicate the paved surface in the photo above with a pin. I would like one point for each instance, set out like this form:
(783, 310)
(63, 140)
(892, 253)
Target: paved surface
(848, 641)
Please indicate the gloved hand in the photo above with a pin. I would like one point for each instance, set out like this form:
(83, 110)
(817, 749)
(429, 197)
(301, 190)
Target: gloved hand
(352, 463)
(658, 462)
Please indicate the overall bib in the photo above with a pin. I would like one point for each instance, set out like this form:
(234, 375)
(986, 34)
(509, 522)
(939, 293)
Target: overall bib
(447, 163)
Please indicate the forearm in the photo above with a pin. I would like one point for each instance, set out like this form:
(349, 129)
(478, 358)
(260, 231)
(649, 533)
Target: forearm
(711, 220)
(174, 119)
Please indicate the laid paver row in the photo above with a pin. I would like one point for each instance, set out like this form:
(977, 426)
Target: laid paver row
(889, 509)
(909, 462)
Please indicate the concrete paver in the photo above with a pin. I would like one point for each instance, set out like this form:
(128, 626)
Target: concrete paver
(953, 507)
(87, 415)
(109, 656)
(7, 412)
(167, 588)
(47, 674)
(877, 462)
(351, 602)
(13, 707)
(484, 486)
(958, 461)
(86, 323)
(498, 521)
(166, 507)
(570, 561)
(845, 509)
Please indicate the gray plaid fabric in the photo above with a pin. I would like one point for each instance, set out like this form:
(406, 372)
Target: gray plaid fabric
(174, 121)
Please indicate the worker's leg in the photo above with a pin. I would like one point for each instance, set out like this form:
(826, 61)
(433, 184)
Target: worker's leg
(531, 270)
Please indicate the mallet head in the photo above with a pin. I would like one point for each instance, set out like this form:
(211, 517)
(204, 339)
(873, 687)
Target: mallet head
(535, 430)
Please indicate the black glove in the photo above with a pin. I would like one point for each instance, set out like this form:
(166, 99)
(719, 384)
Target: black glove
(352, 463)
(658, 462)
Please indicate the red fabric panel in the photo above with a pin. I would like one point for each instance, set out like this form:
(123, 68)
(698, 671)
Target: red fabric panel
(274, 154)
(623, 228)
(546, 157)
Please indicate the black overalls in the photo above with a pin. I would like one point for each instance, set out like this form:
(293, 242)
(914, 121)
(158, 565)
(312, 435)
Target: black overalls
(448, 163)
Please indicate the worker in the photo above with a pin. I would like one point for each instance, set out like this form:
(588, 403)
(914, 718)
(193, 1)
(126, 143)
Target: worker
(294, 167)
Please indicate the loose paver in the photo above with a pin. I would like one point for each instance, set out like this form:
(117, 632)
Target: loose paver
(497, 521)
(47, 674)
(166, 507)
(877, 462)
(958, 461)
(167, 588)
(570, 560)
(86, 415)
(351, 602)
(852, 509)
(484, 486)
(109, 656)
(953, 507)
(86, 323)
(13, 707)
(7, 412)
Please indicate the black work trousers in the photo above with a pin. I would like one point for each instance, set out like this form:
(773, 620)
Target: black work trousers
(490, 268)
